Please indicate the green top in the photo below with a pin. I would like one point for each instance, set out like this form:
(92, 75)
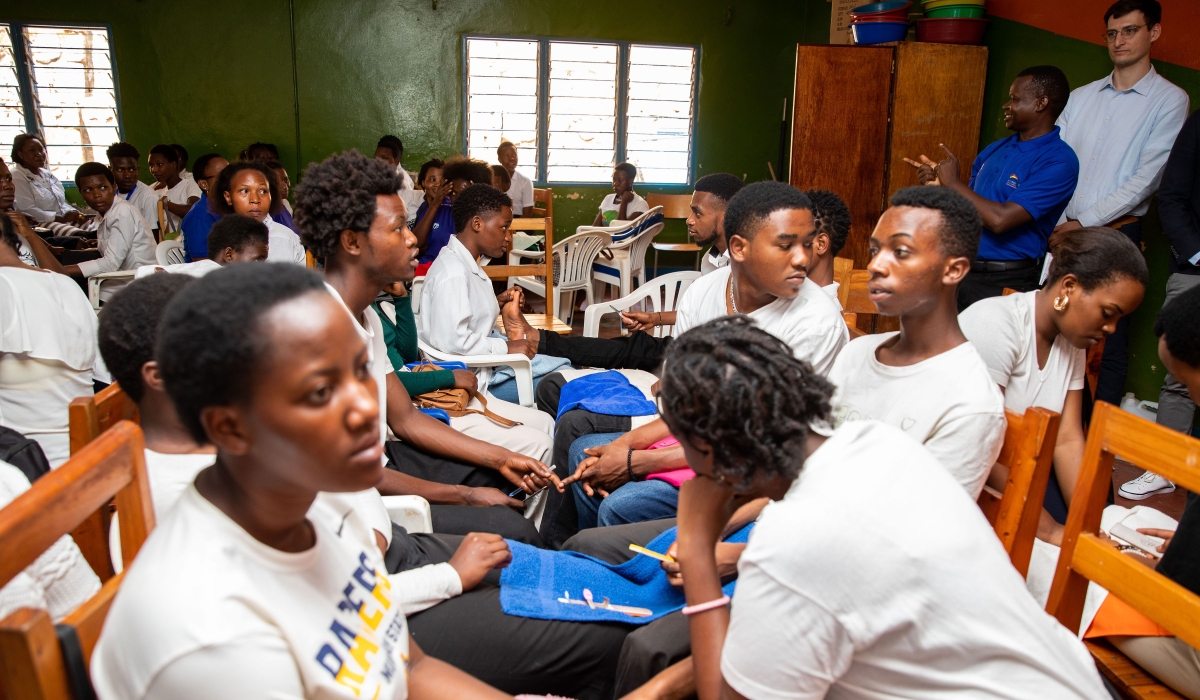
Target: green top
(401, 339)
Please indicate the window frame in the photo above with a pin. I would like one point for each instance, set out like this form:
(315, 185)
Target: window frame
(25, 84)
(622, 105)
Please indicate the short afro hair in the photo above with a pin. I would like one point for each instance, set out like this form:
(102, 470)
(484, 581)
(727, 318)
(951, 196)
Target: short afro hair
(210, 343)
(93, 168)
(754, 203)
(1049, 82)
(505, 143)
(1096, 256)
(720, 185)
(832, 217)
(19, 144)
(200, 167)
(1150, 9)
(628, 168)
(166, 151)
(225, 184)
(237, 232)
(473, 171)
(183, 155)
(961, 226)
(729, 367)
(431, 164)
(1179, 323)
(501, 176)
(393, 144)
(122, 149)
(260, 146)
(477, 200)
(129, 327)
(338, 194)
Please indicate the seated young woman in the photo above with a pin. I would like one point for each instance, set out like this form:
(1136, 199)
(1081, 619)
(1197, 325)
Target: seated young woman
(40, 197)
(178, 194)
(237, 592)
(249, 188)
(1035, 344)
(34, 253)
(888, 600)
(47, 348)
(435, 219)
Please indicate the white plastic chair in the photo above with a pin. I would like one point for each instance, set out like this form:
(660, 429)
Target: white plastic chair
(414, 295)
(630, 242)
(573, 258)
(170, 252)
(95, 281)
(409, 512)
(521, 365)
(663, 294)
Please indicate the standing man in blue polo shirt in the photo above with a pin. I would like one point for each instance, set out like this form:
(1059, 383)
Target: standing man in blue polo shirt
(1020, 185)
(201, 217)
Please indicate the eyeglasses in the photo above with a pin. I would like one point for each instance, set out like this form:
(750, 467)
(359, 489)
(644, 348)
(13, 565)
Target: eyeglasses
(1126, 33)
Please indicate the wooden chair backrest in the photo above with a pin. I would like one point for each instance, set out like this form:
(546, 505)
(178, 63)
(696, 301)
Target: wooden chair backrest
(31, 661)
(842, 271)
(88, 417)
(1085, 557)
(544, 268)
(1028, 453)
(543, 202)
(675, 206)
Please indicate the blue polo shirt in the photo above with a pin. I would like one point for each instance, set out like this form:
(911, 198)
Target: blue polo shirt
(439, 235)
(1040, 175)
(195, 226)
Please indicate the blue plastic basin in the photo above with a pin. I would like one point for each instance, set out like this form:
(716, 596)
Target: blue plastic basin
(872, 8)
(866, 33)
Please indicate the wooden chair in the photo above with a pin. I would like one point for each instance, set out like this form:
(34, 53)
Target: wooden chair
(32, 665)
(675, 206)
(1085, 557)
(543, 202)
(855, 299)
(1028, 453)
(544, 268)
(88, 417)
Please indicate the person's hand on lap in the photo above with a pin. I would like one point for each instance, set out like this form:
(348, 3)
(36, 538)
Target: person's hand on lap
(604, 470)
(487, 496)
(465, 379)
(478, 554)
(528, 473)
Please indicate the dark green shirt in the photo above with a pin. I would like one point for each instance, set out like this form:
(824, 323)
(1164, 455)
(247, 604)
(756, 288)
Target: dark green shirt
(401, 339)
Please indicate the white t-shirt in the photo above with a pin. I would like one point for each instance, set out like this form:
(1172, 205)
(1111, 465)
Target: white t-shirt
(199, 268)
(832, 290)
(895, 588)
(47, 352)
(283, 245)
(610, 208)
(1002, 330)
(412, 202)
(811, 324)
(520, 190)
(146, 201)
(406, 181)
(949, 403)
(207, 611)
(370, 329)
(184, 190)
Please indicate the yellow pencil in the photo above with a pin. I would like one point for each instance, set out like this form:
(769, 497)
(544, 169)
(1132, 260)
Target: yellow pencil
(651, 553)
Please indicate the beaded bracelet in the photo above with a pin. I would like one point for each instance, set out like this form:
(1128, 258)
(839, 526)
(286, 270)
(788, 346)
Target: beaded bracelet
(705, 607)
(629, 465)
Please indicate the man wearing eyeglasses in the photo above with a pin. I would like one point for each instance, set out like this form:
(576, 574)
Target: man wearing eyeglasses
(1122, 128)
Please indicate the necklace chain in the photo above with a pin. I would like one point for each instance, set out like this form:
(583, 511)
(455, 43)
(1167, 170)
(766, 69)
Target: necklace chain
(732, 300)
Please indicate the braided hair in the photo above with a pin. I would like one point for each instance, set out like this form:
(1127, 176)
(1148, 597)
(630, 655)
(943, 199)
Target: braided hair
(741, 390)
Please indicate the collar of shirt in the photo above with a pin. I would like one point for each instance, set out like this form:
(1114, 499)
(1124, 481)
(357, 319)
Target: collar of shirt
(1141, 87)
(455, 246)
(1037, 143)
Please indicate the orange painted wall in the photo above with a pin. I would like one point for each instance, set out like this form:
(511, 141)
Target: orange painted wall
(1083, 19)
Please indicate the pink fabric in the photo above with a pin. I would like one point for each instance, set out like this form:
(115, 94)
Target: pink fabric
(674, 477)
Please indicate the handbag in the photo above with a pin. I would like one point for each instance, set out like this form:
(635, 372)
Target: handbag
(455, 401)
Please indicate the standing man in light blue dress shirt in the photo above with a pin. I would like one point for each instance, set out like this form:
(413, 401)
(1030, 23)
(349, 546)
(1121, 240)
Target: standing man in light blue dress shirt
(1122, 128)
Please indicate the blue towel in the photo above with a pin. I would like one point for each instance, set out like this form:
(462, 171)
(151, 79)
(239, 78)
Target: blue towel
(608, 393)
(537, 578)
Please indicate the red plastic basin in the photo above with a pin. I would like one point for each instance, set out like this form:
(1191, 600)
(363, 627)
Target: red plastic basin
(952, 30)
(883, 17)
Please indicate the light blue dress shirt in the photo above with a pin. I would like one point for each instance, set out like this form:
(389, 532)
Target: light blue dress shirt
(1122, 139)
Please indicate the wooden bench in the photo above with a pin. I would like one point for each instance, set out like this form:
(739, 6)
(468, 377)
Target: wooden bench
(1086, 557)
(32, 665)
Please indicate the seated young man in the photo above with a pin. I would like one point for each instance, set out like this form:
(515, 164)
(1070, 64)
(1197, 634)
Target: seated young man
(832, 219)
(766, 225)
(623, 204)
(891, 600)
(201, 217)
(351, 217)
(125, 162)
(458, 305)
(123, 238)
(178, 194)
(233, 239)
(926, 379)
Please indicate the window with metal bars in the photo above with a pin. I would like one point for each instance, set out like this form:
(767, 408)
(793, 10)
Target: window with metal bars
(574, 109)
(59, 81)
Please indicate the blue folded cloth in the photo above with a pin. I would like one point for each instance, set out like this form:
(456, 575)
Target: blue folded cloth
(608, 393)
(532, 584)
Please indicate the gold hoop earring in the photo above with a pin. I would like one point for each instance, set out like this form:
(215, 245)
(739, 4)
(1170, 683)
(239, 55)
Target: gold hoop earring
(1060, 303)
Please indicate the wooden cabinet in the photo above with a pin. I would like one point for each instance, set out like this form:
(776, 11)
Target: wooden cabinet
(860, 110)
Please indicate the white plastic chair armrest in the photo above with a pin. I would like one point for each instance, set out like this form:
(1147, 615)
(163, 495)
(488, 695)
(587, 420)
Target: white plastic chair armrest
(528, 253)
(97, 279)
(410, 512)
(521, 365)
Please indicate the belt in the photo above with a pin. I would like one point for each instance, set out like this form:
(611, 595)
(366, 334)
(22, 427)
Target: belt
(1123, 221)
(1004, 265)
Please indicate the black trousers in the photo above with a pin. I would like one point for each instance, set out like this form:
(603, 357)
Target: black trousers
(651, 648)
(515, 654)
(638, 350)
(981, 285)
(462, 520)
(1114, 365)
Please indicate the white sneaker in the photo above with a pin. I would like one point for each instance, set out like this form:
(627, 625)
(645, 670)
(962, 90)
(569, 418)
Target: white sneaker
(1145, 486)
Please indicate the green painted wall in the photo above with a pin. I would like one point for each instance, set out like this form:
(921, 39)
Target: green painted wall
(1012, 47)
(218, 75)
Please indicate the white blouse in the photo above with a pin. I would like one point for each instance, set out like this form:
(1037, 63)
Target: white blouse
(40, 196)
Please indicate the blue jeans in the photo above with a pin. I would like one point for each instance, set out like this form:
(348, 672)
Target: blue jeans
(633, 502)
(507, 390)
